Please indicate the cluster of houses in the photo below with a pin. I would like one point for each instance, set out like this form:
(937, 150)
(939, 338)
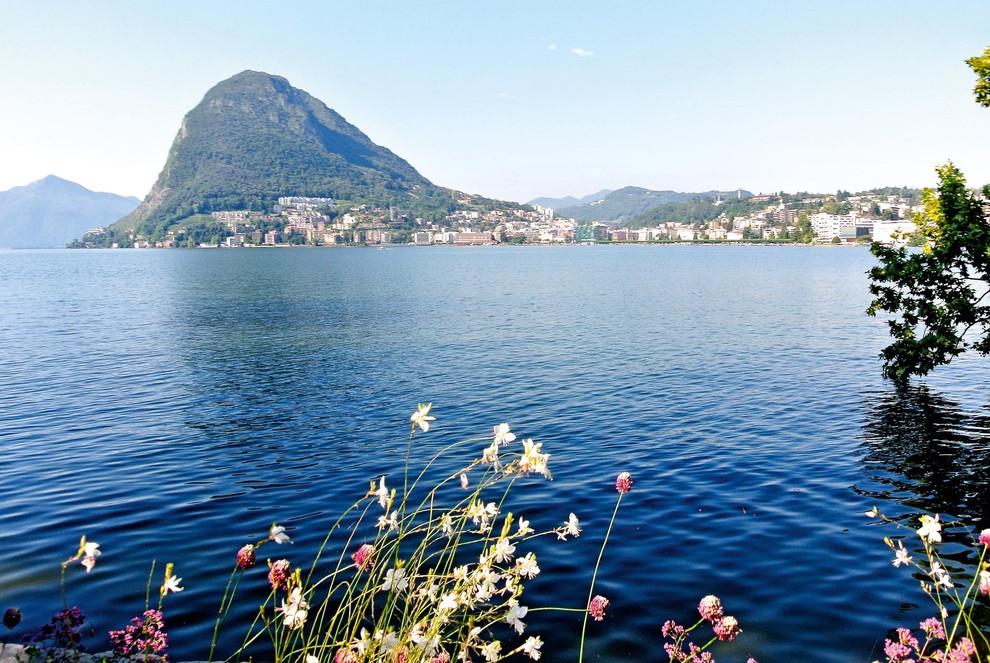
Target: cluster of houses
(317, 221)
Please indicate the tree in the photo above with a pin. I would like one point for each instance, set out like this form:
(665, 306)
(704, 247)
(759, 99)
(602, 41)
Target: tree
(980, 64)
(937, 295)
(939, 292)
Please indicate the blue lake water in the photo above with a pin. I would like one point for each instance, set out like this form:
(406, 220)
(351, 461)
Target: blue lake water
(172, 404)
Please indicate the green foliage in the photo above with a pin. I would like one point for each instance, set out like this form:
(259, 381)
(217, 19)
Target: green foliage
(936, 295)
(980, 64)
(699, 209)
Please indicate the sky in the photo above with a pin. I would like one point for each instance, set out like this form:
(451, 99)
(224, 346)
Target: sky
(518, 100)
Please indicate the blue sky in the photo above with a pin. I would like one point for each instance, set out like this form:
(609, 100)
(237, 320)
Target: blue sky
(516, 100)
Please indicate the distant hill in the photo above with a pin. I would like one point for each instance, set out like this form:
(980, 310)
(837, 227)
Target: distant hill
(569, 201)
(620, 206)
(254, 138)
(52, 212)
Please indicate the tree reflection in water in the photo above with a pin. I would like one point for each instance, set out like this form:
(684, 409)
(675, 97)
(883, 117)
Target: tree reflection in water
(925, 452)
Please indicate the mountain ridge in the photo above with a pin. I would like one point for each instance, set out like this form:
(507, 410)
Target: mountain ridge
(52, 211)
(254, 138)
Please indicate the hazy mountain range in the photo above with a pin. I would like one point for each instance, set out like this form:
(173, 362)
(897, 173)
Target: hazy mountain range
(52, 212)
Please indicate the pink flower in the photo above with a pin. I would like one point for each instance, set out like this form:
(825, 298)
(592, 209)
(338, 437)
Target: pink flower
(278, 576)
(246, 557)
(933, 628)
(363, 557)
(711, 608)
(623, 483)
(597, 607)
(985, 537)
(726, 628)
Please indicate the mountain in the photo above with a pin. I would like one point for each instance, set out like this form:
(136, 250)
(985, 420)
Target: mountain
(569, 201)
(254, 138)
(622, 205)
(52, 212)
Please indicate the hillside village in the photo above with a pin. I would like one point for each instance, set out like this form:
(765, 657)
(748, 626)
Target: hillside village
(320, 222)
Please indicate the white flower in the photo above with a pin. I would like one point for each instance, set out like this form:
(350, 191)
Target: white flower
(490, 456)
(171, 585)
(532, 460)
(395, 579)
(524, 527)
(447, 526)
(515, 615)
(91, 549)
(491, 650)
(527, 567)
(872, 513)
(391, 521)
(930, 528)
(464, 480)
(382, 493)
(278, 535)
(294, 611)
(532, 647)
(503, 435)
(420, 418)
(503, 550)
(89, 562)
(448, 603)
(940, 575)
(311, 659)
(570, 528)
(902, 555)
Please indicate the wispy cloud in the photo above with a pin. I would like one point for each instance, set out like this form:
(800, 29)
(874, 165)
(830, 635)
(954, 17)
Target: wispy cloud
(580, 52)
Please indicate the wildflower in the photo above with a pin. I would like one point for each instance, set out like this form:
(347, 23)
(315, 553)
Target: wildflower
(382, 493)
(503, 435)
(985, 537)
(532, 647)
(278, 535)
(872, 513)
(295, 610)
(395, 579)
(312, 659)
(246, 557)
(420, 418)
(526, 566)
(597, 607)
(524, 527)
(464, 480)
(930, 529)
(671, 629)
(985, 582)
(447, 525)
(88, 551)
(448, 603)
(391, 521)
(726, 628)
(940, 575)
(278, 573)
(503, 550)
(363, 557)
(12, 617)
(933, 628)
(532, 460)
(710, 608)
(171, 583)
(491, 650)
(145, 635)
(902, 555)
(570, 528)
(623, 483)
(515, 616)
(490, 456)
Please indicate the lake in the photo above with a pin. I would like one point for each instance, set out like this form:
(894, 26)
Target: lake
(172, 404)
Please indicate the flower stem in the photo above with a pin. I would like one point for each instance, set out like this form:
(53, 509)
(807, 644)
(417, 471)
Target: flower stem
(594, 575)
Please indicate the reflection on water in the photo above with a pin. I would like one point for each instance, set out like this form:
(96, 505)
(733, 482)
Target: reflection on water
(928, 452)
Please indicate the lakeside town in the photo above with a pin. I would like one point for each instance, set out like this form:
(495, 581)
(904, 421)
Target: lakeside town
(318, 221)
